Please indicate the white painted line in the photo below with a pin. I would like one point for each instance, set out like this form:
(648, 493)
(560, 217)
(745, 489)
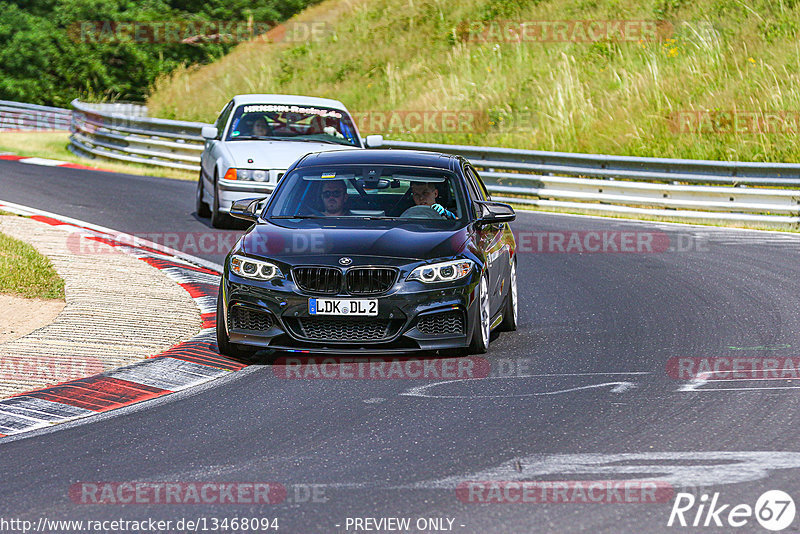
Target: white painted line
(206, 304)
(694, 384)
(702, 379)
(422, 391)
(43, 161)
(675, 468)
(180, 276)
(41, 409)
(167, 373)
(709, 390)
(13, 424)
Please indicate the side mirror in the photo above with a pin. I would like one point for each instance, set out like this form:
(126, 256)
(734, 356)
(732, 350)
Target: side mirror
(494, 212)
(374, 141)
(209, 132)
(247, 208)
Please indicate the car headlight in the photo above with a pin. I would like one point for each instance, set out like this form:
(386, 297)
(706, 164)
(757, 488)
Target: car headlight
(254, 269)
(447, 271)
(252, 175)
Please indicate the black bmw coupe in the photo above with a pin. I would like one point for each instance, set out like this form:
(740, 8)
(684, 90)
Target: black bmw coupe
(370, 251)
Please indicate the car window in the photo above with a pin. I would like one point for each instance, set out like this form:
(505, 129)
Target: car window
(298, 123)
(369, 192)
(477, 184)
(222, 120)
(473, 188)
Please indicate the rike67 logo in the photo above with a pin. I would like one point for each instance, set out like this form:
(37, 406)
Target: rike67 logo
(774, 510)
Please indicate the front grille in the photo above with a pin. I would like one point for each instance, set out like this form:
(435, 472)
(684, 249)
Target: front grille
(443, 323)
(344, 329)
(325, 280)
(370, 280)
(241, 318)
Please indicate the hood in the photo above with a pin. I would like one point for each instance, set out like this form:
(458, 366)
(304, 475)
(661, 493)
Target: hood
(408, 241)
(274, 154)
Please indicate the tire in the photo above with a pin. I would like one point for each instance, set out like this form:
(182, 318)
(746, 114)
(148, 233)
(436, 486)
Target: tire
(510, 311)
(483, 327)
(200, 207)
(224, 344)
(218, 219)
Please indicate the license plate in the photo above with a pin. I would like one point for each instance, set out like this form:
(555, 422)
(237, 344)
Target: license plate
(368, 307)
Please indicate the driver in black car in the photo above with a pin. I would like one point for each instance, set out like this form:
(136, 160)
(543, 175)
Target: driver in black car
(425, 194)
(334, 198)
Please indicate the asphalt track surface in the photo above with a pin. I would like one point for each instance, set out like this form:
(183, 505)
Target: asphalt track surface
(580, 392)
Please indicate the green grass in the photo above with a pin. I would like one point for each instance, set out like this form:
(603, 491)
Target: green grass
(53, 145)
(25, 272)
(610, 96)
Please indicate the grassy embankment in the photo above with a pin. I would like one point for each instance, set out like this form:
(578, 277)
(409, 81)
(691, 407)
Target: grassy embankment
(611, 96)
(26, 272)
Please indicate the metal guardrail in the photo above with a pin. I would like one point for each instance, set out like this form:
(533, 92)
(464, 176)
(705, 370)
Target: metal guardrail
(129, 109)
(100, 131)
(691, 190)
(29, 117)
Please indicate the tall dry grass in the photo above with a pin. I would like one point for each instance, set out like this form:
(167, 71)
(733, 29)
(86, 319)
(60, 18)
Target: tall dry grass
(607, 97)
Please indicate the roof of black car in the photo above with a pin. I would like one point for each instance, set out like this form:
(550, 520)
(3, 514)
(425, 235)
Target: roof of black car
(379, 157)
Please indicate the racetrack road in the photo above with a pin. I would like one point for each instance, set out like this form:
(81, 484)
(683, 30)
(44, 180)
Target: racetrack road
(615, 317)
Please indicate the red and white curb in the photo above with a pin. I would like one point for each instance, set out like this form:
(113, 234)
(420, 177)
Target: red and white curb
(48, 162)
(185, 365)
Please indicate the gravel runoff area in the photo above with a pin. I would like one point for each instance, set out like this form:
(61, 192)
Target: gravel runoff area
(119, 310)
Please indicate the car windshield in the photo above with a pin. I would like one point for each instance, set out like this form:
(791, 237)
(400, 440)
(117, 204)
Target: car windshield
(389, 192)
(298, 123)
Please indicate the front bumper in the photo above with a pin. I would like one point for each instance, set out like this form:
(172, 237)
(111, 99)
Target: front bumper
(233, 190)
(416, 318)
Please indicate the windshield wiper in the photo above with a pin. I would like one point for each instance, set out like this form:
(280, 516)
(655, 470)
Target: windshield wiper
(255, 137)
(313, 140)
(360, 217)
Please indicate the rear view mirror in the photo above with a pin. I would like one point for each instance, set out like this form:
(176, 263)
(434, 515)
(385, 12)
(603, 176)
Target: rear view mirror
(247, 208)
(494, 212)
(374, 183)
(209, 132)
(374, 141)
